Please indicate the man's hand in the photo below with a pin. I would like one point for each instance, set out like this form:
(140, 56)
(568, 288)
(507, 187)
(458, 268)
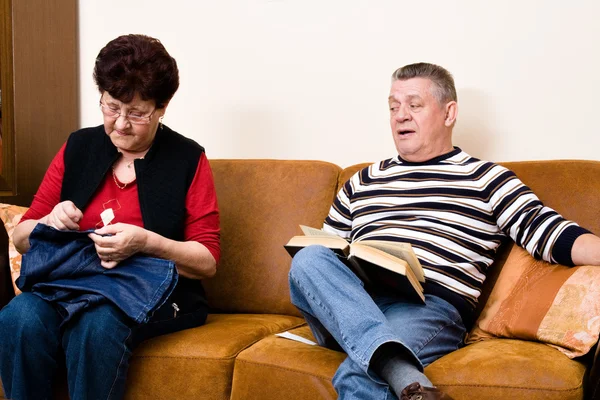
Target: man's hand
(586, 250)
(64, 216)
(125, 241)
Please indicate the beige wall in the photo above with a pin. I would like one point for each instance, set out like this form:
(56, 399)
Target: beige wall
(309, 79)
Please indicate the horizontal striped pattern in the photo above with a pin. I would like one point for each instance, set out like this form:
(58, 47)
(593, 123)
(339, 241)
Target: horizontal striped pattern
(455, 210)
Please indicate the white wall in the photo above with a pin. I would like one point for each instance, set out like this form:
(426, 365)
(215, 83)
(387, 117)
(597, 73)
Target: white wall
(309, 79)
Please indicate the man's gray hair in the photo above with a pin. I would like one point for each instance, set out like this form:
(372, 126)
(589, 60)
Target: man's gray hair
(444, 90)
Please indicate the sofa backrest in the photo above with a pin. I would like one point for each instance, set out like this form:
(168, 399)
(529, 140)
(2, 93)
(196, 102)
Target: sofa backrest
(571, 187)
(262, 203)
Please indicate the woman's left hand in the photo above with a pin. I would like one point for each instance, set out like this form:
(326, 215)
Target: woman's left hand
(125, 241)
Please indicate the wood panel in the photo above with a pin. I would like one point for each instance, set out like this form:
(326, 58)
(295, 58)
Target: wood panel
(8, 172)
(45, 82)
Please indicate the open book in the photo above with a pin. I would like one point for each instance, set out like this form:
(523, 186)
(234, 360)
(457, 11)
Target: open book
(392, 265)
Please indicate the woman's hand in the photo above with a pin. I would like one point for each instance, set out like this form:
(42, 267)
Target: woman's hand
(125, 241)
(64, 216)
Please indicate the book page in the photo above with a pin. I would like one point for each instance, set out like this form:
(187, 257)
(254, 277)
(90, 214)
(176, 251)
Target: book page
(308, 231)
(297, 338)
(376, 267)
(403, 251)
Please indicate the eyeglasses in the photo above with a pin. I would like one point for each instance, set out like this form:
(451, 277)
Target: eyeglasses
(135, 117)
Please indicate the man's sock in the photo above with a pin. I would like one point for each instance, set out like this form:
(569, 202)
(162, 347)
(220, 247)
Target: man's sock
(392, 364)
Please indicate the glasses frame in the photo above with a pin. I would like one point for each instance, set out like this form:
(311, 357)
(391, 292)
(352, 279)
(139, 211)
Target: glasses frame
(144, 120)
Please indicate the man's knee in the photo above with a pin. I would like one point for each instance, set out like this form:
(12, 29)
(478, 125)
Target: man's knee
(309, 259)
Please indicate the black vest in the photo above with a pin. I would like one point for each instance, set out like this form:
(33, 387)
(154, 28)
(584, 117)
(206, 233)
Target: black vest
(163, 176)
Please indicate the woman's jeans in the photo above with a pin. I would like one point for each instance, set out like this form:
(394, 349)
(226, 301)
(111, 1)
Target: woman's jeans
(336, 305)
(95, 346)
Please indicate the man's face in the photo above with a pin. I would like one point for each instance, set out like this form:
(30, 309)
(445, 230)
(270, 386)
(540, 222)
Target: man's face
(421, 127)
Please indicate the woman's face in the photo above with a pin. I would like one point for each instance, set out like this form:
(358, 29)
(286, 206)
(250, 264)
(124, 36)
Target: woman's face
(128, 137)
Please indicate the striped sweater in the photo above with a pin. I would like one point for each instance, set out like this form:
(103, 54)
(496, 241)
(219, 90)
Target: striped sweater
(455, 210)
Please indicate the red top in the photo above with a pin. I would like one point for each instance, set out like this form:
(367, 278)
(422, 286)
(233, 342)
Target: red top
(202, 212)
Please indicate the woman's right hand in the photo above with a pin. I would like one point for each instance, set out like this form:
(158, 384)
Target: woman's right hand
(64, 216)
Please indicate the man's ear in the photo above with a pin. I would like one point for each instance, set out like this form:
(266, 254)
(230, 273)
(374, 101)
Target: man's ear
(451, 113)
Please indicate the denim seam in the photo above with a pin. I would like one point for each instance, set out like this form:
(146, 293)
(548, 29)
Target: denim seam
(146, 308)
(376, 343)
(384, 338)
(120, 363)
(434, 335)
(84, 265)
(317, 302)
(392, 339)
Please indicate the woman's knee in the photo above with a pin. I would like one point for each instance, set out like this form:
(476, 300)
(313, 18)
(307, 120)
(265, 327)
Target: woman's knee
(29, 315)
(98, 324)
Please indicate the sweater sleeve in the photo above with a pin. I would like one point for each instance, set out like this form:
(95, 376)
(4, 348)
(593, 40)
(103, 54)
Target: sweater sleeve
(540, 230)
(48, 194)
(202, 210)
(339, 220)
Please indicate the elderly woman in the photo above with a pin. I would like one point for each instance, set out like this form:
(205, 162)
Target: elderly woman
(158, 188)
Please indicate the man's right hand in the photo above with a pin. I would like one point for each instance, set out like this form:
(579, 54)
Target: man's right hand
(64, 216)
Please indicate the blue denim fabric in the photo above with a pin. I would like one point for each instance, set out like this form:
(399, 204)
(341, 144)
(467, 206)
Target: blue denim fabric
(95, 343)
(336, 305)
(63, 267)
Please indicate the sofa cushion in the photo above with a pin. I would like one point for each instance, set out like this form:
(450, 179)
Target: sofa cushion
(11, 215)
(502, 369)
(276, 368)
(198, 363)
(535, 300)
(262, 203)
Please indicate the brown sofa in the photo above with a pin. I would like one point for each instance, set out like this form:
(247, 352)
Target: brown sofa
(236, 354)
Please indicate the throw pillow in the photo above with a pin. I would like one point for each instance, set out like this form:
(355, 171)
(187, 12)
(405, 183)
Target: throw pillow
(539, 301)
(11, 215)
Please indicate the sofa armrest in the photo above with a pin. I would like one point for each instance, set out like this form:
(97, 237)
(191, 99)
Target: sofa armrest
(6, 287)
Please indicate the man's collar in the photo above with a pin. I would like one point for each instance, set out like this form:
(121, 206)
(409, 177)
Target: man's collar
(432, 161)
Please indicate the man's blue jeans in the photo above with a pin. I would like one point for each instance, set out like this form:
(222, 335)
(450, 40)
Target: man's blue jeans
(335, 304)
(95, 345)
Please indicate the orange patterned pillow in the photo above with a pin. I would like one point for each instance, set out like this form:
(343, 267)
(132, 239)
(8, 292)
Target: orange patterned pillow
(549, 303)
(11, 215)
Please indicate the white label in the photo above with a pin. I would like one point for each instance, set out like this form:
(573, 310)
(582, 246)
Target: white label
(107, 216)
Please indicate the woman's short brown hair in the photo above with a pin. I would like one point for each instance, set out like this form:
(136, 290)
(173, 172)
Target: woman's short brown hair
(140, 64)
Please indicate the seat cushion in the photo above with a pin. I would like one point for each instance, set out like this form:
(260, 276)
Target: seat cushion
(195, 363)
(198, 363)
(277, 368)
(500, 369)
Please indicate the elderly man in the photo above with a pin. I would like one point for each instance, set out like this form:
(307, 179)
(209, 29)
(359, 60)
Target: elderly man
(455, 210)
